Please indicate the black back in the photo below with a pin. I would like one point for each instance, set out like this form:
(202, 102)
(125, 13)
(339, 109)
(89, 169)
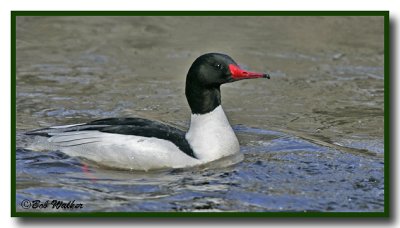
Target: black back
(128, 126)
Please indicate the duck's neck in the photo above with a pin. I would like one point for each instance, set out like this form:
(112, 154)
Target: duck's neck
(211, 136)
(202, 99)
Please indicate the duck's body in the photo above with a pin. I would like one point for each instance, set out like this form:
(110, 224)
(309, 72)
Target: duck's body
(140, 144)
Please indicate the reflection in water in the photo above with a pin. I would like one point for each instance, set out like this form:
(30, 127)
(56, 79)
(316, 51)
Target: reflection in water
(323, 108)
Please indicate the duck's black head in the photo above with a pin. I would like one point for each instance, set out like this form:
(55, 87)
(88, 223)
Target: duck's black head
(207, 73)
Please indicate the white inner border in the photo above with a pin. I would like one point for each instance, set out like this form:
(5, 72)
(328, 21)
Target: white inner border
(8, 5)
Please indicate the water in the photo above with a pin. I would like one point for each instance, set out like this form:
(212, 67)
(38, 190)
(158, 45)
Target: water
(312, 136)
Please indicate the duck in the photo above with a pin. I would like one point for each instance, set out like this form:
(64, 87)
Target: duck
(142, 144)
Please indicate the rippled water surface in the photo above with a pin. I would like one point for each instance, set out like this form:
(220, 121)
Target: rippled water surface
(312, 136)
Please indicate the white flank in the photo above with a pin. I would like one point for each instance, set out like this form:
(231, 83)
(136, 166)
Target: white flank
(66, 126)
(121, 151)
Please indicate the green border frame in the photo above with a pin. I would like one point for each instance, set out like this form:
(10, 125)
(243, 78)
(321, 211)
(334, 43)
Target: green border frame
(385, 213)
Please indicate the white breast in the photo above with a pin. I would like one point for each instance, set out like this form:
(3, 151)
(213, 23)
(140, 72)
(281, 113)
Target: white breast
(211, 136)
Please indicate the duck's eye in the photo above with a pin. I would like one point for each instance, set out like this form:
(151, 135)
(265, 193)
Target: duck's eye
(219, 66)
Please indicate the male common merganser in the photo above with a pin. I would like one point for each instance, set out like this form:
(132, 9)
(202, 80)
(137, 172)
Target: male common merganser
(140, 144)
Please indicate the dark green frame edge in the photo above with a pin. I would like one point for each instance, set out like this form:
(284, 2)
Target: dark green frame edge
(385, 213)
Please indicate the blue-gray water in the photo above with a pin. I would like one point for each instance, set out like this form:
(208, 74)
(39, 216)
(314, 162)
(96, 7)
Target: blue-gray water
(312, 136)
